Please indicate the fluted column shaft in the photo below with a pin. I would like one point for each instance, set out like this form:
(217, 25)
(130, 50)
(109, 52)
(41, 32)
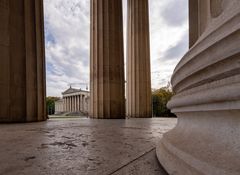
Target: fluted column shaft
(65, 108)
(22, 67)
(80, 103)
(107, 60)
(66, 104)
(75, 103)
(138, 60)
(69, 103)
(72, 104)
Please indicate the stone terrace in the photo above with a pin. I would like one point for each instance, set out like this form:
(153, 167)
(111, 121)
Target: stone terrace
(82, 146)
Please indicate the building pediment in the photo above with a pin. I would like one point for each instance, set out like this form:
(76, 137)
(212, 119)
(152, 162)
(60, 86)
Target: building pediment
(70, 91)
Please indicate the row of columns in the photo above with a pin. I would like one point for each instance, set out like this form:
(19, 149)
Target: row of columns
(74, 103)
(22, 68)
(107, 60)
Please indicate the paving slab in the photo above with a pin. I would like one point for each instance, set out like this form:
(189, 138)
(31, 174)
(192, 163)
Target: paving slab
(82, 146)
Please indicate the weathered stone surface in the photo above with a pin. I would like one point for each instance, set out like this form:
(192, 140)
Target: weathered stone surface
(22, 67)
(206, 139)
(138, 61)
(82, 146)
(107, 60)
(147, 164)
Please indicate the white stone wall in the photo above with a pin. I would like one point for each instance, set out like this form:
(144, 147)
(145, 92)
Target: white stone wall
(59, 106)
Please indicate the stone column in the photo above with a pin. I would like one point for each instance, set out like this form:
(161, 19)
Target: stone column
(75, 101)
(60, 107)
(206, 82)
(138, 61)
(22, 67)
(66, 108)
(80, 107)
(81, 103)
(83, 98)
(107, 60)
(78, 103)
(70, 104)
(69, 109)
(65, 104)
(79, 100)
(193, 22)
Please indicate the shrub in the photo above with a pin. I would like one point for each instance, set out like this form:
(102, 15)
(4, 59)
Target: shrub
(160, 98)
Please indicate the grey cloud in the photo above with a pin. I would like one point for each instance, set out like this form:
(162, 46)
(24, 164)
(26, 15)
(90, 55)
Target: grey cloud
(178, 50)
(67, 43)
(175, 12)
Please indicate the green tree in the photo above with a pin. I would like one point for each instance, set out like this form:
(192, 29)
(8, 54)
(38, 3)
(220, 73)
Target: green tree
(160, 98)
(51, 104)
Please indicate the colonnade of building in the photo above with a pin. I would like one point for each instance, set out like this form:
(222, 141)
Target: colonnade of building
(75, 103)
(23, 81)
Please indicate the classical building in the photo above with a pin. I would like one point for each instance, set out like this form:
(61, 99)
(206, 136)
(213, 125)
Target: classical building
(73, 100)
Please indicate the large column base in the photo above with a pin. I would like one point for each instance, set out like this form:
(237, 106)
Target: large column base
(203, 143)
(206, 82)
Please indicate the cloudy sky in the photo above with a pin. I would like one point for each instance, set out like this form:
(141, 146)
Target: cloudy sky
(67, 25)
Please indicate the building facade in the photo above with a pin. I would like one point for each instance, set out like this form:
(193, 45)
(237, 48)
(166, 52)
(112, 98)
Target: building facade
(73, 100)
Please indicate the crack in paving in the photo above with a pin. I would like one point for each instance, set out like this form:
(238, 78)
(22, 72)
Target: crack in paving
(139, 157)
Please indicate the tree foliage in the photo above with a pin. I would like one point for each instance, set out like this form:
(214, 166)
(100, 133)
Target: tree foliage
(160, 98)
(51, 104)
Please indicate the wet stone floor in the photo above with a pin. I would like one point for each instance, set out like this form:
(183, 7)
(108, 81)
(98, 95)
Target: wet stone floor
(82, 147)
